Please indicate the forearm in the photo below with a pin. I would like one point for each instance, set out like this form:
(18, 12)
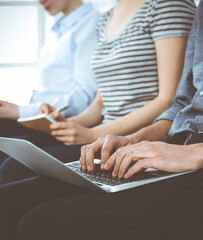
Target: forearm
(77, 100)
(197, 154)
(91, 116)
(134, 121)
(155, 132)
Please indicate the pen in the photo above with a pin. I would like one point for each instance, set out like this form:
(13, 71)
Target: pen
(63, 109)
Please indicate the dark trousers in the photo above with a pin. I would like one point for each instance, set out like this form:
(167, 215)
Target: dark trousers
(26, 189)
(42, 208)
(166, 210)
(10, 128)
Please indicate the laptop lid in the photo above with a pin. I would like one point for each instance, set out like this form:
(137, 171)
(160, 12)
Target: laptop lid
(45, 164)
(41, 162)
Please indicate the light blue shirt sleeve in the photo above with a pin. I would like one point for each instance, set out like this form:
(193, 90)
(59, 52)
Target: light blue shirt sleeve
(66, 77)
(28, 110)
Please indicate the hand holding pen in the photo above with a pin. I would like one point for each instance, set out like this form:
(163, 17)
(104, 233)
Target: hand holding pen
(49, 110)
(62, 109)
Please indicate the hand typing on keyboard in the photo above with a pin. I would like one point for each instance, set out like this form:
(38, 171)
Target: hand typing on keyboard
(104, 146)
(118, 153)
(158, 155)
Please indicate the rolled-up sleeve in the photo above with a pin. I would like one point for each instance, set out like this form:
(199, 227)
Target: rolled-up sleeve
(169, 114)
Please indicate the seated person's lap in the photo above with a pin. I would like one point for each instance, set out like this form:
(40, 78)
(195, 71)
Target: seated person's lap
(120, 215)
(10, 128)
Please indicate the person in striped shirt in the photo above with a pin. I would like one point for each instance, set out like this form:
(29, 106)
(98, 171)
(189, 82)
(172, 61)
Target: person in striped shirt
(137, 62)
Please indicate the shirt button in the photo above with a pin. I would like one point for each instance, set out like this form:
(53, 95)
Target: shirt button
(201, 93)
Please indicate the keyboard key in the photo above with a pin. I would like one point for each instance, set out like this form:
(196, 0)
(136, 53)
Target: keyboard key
(105, 177)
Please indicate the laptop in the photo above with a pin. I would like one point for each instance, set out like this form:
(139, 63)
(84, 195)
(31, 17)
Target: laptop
(47, 165)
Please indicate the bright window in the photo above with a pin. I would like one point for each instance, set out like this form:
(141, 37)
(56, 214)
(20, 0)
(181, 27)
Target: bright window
(22, 36)
(15, 47)
(24, 28)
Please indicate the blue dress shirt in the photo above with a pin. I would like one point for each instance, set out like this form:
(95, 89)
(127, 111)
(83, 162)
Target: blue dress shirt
(66, 77)
(186, 111)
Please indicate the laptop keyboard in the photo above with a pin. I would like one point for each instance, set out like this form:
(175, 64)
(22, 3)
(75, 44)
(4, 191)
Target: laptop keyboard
(105, 177)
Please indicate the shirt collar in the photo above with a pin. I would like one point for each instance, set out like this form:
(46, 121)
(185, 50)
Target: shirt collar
(64, 23)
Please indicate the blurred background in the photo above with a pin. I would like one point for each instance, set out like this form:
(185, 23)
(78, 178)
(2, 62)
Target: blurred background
(24, 28)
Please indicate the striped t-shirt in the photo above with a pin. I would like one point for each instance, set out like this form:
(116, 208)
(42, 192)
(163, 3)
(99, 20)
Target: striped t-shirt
(125, 66)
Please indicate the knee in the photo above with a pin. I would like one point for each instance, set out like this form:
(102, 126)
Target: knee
(39, 223)
(27, 227)
(52, 220)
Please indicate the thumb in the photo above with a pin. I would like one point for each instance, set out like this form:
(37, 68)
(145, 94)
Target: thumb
(44, 108)
(56, 115)
(40, 112)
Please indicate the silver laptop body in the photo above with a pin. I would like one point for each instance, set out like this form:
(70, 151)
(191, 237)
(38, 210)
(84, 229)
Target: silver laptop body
(45, 164)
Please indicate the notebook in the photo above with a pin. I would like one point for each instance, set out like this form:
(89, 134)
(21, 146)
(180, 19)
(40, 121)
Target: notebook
(45, 164)
(39, 122)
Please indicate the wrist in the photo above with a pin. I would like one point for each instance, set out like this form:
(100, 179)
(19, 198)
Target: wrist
(141, 135)
(135, 137)
(93, 135)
